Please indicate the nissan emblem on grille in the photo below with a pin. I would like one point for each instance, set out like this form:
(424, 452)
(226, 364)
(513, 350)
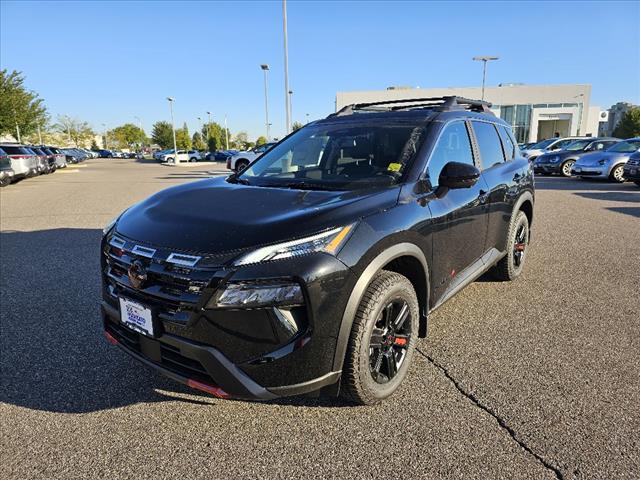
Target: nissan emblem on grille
(137, 274)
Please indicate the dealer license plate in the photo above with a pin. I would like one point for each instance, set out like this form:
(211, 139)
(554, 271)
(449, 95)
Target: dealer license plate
(137, 317)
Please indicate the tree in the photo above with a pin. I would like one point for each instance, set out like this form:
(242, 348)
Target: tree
(261, 140)
(94, 145)
(162, 134)
(127, 136)
(77, 131)
(19, 106)
(198, 142)
(183, 140)
(296, 126)
(242, 140)
(216, 136)
(629, 125)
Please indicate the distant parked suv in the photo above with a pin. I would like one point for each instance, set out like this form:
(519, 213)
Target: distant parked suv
(241, 160)
(6, 172)
(548, 145)
(183, 156)
(331, 252)
(561, 161)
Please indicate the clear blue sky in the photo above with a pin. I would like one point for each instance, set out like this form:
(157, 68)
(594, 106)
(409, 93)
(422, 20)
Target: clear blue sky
(106, 62)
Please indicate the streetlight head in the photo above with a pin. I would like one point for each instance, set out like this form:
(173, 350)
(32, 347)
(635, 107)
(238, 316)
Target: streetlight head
(208, 113)
(290, 92)
(264, 66)
(485, 58)
(170, 99)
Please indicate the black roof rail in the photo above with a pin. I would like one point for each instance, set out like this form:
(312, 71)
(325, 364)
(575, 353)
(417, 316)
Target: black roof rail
(442, 104)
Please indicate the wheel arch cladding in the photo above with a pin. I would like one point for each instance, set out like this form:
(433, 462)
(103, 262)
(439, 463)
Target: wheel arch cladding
(525, 203)
(404, 258)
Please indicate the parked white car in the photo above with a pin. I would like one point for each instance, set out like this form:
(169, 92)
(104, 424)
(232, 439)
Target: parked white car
(241, 160)
(183, 156)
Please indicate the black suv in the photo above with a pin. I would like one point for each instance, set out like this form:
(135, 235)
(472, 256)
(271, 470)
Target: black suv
(320, 271)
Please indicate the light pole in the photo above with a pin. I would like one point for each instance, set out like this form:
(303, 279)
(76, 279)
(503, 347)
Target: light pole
(140, 127)
(226, 132)
(291, 104)
(286, 65)
(208, 128)
(173, 128)
(484, 61)
(265, 69)
(581, 105)
(307, 115)
(106, 143)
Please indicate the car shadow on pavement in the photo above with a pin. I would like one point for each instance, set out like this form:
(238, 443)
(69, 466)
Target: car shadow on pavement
(53, 353)
(564, 183)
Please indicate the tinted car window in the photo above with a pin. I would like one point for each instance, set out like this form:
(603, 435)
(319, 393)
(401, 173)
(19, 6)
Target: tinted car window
(489, 144)
(2, 152)
(507, 144)
(453, 146)
(11, 150)
(338, 156)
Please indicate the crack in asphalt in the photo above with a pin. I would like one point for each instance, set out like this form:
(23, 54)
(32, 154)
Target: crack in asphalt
(501, 422)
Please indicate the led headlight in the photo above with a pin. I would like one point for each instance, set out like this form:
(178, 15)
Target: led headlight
(604, 161)
(554, 159)
(255, 295)
(329, 242)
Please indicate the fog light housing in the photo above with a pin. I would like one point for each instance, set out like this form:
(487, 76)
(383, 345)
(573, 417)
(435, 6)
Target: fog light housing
(257, 295)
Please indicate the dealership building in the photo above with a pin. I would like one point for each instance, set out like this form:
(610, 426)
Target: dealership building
(535, 112)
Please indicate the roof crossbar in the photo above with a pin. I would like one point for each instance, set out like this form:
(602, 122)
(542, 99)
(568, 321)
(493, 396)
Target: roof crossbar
(442, 104)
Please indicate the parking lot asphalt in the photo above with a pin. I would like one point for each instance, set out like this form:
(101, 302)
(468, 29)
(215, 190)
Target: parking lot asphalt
(538, 378)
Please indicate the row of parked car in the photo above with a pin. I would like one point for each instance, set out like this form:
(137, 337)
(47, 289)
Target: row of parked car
(104, 153)
(587, 157)
(19, 161)
(193, 155)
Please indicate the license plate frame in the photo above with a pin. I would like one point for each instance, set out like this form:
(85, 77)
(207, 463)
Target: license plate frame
(137, 317)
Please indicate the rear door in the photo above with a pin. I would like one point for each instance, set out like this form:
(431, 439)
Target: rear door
(497, 151)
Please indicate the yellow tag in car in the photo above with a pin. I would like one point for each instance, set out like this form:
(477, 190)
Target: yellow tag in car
(394, 167)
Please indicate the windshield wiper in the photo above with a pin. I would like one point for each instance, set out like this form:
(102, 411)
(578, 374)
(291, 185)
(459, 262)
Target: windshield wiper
(308, 186)
(235, 179)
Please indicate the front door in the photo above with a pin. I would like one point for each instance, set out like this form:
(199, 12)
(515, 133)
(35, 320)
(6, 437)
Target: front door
(459, 216)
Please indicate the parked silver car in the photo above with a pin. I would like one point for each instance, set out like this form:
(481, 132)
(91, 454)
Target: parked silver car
(23, 163)
(607, 164)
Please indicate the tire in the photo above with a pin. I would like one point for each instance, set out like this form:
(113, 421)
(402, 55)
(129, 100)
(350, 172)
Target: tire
(637, 182)
(565, 169)
(169, 160)
(617, 174)
(241, 165)
(5, 181)
(511, 265)
(193, 159)
(372, 374)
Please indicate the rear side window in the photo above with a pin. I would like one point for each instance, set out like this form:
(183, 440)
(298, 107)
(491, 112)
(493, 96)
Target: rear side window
(2, 152)
(507, 144)
(11, 150)
(489, 144)
(453, 146)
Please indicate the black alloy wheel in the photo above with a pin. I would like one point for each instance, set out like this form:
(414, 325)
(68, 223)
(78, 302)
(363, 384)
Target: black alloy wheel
(389, 341)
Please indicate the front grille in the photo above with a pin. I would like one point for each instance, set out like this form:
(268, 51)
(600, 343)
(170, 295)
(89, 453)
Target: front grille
(633, 161)
(175, 281)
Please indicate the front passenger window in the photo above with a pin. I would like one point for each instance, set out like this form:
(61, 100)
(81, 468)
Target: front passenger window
(453, 146)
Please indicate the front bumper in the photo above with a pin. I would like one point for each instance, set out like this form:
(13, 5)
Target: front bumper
(631, 172)
(547, 168)
(7, 173)
(246, 353)
(590, 171)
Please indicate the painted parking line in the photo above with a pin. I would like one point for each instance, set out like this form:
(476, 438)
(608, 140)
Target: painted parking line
(67, 170)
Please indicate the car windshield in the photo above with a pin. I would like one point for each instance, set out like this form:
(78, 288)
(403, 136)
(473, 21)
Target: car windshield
(577, 145)
(542, 144)
(628, 146)
(338, 157)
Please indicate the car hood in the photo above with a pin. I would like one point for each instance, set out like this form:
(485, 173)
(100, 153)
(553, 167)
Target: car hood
(592, 159)
(214, 216)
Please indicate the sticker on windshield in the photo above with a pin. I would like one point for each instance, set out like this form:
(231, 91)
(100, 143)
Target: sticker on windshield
(394, 167)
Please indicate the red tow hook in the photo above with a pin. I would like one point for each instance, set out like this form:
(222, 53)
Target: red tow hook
(110, 338)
